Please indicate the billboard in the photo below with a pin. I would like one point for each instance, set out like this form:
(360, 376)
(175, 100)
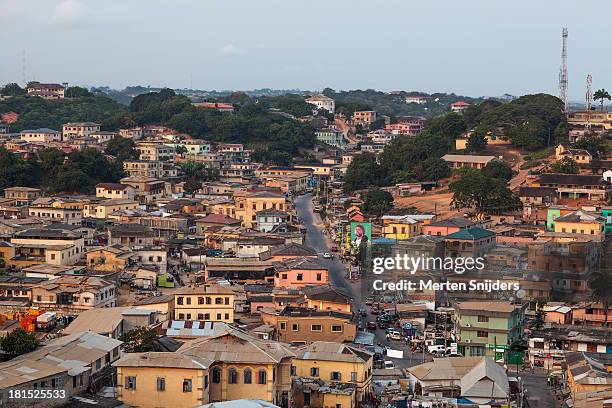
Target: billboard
(361, 233)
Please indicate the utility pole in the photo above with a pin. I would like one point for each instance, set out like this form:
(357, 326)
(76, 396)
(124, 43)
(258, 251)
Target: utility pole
(589, 99)
(563, 71)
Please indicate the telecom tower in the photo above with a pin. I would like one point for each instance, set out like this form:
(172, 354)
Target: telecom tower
(563, 71)
(589, 99)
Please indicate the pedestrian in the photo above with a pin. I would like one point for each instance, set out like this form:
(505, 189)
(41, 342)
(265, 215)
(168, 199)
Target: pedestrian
(406, 340)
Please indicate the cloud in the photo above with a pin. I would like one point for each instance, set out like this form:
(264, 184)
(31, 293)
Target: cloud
(68, 13)
(230, 50)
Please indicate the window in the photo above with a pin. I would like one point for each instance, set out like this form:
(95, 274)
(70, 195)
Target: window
(227, 301)
(218, 301)
(300, 277)
(98, 364)
(248, 376)
(284, 276)
(187, 385)
(233, 376)
(337, 329)
(216, 375)
(206, 316)
(130, 383)
(314, 371)
(283, 326)
(208, 300)
(181, 316)
(200, 316)
(293, 370)
(335, 375)
(295, 327)
(179, 300)
(482, 333)
(188, 300)
(188, 316)
(262, 377)
(316, 327)
(483, 319)
(161, 384)
(200, 300)
(205, 381)
(319, 276)
(218, 316)
(227, 316)
(354, 376)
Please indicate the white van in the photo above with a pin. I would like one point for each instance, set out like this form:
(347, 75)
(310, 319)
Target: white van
(437, 349)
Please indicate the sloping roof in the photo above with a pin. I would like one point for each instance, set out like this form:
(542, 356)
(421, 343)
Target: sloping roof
(491, 306)
(291, 249)
(332, 351)
(98, 320)
(572, 179)
(236, 346)
(580, 216)
(299, 263)
(40, 130)
(467, 158)
(162, 360)
(458, 222)
(471, 234)
(328, 293)
(486, 380)
(537, 191)
(218, 219)
(241, 403)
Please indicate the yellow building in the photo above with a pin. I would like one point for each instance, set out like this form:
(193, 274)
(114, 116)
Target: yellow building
(244, 367)
(109, 259)
(115, 190)
(580, 156)
(581, 222)
(337, 363)
(105, 208)
(248, 204)
(160, 379)
(402, 227)
(207, 303)
(490, 137)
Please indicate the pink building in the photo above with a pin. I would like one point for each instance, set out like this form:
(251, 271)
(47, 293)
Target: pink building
(445, 227)
(299, 272)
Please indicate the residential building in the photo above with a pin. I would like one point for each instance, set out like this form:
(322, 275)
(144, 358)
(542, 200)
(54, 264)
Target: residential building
(130, 235)
(478, 380)
(364, 117)
(154, 151)
(575, 186)
(447, 226)
(79, 129)
(459, 106)
(324, 297)
(45, 91)
(112, 322)
(591, 314)
(322, 102)
(204, 303)
(239, 270)
(163, 379)
(113, 258)
(54, 247)
(41, 135)
(115, 190)
(401, 227)
(74, 294)
(337, 363)
(214, 220)
(104, 209)
(271, 220)
(303, 326)
(244, 367)
(469, 242)
(22, 195)
(146, 189)
(331, 137)
(249, 204)
(581, 222)
(56, 214)
(580, 156)
(418, 99)
(219, 106)
(299, 272)
(461, 161)
(488, 328)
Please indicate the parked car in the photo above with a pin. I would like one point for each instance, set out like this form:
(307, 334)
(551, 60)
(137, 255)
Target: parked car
(362, 313)
(374, 311)
(389, 365)
(334, 248)
(438, 348)
(371, 325)
(327, 255)
(393, 334)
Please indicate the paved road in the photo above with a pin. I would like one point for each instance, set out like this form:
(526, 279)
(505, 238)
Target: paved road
(337, 272)
(538, 393)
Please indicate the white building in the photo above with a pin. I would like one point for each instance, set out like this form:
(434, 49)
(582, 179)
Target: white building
(42, 135)
(322, 102)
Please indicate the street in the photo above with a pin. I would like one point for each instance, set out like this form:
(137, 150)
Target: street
(337, 272)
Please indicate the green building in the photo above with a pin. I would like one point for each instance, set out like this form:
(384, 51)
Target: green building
(331, 137)
(488, 328)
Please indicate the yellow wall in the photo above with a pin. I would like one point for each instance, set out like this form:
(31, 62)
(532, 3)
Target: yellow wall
(191, 310)
(247, 207)
(225, 391)
(400, 231)
(146, 394)
(595, 228)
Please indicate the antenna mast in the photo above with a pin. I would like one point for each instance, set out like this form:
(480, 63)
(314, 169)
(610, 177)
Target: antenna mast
(563, 71)
(23, 67)
(589, 99)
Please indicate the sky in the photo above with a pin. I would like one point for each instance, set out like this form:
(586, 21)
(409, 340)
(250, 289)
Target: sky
(469, 47)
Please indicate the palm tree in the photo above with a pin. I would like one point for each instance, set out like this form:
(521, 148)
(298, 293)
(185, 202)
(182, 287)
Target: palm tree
(602, 94)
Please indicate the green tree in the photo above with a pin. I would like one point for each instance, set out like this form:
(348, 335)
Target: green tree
(77, 92)
(566, 165)
(12, 89)
(377, 202)
(18, 342)
(476, 142)
(498, 169)
(432, 169)
(191, 186)
(476, 190)
(140, 340)
(180, 150)
(602, 95)
(122, 148)
(593, 144)
(363, 172)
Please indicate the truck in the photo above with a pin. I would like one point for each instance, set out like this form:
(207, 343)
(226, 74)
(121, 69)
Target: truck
(436, 349)
(46, 321)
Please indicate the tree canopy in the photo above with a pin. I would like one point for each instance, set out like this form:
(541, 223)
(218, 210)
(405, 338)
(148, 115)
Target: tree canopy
(377, 202)
(18, 342)
(140, 340)
(475, 189)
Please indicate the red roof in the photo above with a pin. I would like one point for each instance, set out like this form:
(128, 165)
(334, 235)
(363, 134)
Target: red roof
(460, 103)
(219, 219)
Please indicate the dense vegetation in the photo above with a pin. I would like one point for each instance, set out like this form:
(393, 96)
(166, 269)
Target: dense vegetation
(479, 190)
(55, 172)
(392, 104)
(82, 106)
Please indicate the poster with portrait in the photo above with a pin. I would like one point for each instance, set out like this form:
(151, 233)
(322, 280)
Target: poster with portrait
(361, 235)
